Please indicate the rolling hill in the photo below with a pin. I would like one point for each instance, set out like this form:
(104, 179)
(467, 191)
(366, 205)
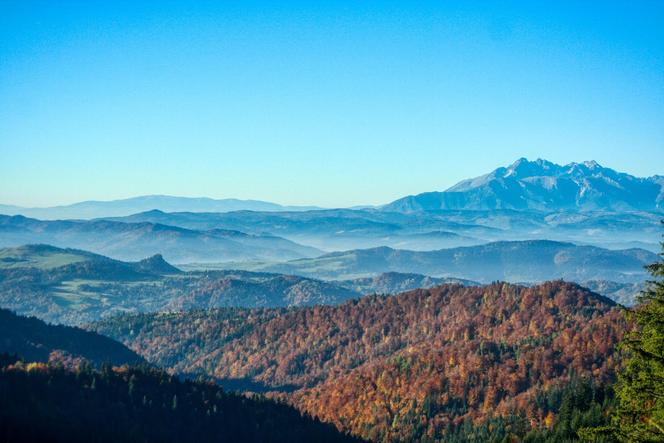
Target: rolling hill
(343, 229)
(518, 261)
(73, 287)
(542, 185)
(133, 241)
(411, 367)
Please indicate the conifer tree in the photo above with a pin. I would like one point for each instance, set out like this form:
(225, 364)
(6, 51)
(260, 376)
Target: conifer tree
(639, 415)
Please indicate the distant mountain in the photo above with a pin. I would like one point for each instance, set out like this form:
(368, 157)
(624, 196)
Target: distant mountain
(416, 366)
(517, 261)
(116, 208)
(74, 287)
(74, 263)
(134, 241)
(344, 229)
(544, 186)
(34, 340)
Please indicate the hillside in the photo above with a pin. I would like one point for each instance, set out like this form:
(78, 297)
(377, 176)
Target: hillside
(42, 403)
(47, 264)
(133, 241)
(74, 287)
(395, 282)
(542, 185)
(34, 340)
(522, 261)
(41, 257)
(421, 362)
(249, 289)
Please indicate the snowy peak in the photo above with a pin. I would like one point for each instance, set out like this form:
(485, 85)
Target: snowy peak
(543, 185)
(523, 168)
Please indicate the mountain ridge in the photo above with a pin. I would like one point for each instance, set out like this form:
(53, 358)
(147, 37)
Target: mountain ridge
(543, 185)
(74, 287)
(135, 241)
(524, 184)
(514, 261)
(90, 209)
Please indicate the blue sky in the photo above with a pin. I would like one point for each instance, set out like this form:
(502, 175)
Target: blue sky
(326, 103)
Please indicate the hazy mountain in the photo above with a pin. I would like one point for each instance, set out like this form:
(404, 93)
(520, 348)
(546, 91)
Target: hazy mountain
(416, 365)
(34, 340)
(133, 241)
(343, 229)
(543, 185)
(539, 184)
(115, 208)
(519, 261)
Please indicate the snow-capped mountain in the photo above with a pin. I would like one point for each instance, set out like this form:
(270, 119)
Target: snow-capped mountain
(543, 185)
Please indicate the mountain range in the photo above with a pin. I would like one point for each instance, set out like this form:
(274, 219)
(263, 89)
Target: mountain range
(133, 241)
(514, 261)
(524, 185)
(583, 203)
(74, 287)
(544, 186)
(342, 229)
(115, 208)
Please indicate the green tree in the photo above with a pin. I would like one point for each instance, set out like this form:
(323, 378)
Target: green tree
(639, 414)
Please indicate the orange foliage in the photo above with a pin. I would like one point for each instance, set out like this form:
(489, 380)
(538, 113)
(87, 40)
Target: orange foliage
(388, 367)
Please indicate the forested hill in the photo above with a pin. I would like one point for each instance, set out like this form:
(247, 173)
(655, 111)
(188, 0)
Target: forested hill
(423, 362)
(42, 403)
(34, 340)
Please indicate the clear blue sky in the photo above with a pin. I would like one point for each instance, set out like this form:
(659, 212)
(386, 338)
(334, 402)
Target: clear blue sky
(327, 103)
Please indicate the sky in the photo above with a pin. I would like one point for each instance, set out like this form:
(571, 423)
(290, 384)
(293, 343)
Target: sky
(334, 103)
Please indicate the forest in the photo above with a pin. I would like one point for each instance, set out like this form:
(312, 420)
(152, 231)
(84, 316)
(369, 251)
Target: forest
(421, 365)
(50, 402)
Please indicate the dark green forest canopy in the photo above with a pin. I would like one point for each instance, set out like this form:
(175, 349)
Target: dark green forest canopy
(46, 403)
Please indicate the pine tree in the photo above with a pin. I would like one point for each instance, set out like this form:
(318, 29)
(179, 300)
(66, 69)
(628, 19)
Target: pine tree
(639, 415)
